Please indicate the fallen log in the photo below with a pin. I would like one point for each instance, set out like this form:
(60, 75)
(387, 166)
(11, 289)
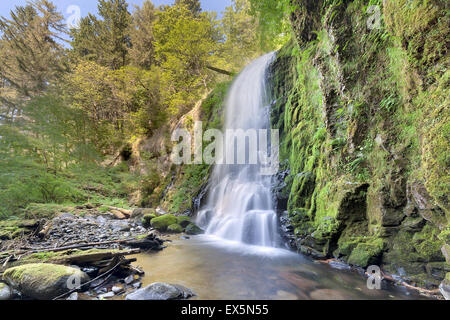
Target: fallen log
(80, 246)
(94, 257)
(125, 212)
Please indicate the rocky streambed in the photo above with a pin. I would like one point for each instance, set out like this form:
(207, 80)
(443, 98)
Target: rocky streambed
(84, 256)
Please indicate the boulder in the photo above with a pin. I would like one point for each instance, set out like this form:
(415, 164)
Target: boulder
(5, 292)
(183, 221)
(146, 220)
(193, 229)
(444, 288)
(44, 281)
(163, 222)
(161, 291)
(175, 228)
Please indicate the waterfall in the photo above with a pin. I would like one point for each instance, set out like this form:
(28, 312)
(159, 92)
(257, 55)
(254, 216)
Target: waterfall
(239, 206)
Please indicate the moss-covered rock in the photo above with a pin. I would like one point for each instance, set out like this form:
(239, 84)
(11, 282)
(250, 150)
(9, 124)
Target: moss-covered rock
(163, 222)
(193, 229)
(183, 221)
(146, 220)
(366, 253)
(175, 228)
(44, 281)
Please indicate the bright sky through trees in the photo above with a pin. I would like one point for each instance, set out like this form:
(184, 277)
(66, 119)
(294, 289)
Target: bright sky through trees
(89, 6)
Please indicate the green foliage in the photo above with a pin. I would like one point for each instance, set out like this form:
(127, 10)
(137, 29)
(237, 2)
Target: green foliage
(105, 40)
(142, 51)
(31, 54)
(241, 33)
(185, 45)
(273, 17)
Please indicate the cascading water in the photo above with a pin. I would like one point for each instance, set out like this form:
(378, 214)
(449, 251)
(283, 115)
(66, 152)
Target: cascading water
(239, 205)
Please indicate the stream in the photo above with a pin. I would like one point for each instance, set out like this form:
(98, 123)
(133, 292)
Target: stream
(216, 269)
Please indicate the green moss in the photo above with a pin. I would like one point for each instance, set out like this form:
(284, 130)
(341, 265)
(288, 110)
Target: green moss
(326, 228)
(45, 272)
(11, 229)
(163, 222)
(366, 253)
(47, 210)
(175, 228)
(427, 244)
(54, 257)
(183, 221)
(193, 229)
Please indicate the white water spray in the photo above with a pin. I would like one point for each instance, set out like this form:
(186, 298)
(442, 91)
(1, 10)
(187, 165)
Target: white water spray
(240, 206)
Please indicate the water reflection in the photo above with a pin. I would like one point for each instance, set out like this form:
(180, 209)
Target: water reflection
(218, 269)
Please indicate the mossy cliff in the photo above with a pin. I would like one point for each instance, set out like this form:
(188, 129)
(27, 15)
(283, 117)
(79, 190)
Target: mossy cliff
(364, 117)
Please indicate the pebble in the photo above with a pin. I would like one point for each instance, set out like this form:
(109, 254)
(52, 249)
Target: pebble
(106, 295)
(129, 279)
(116, 289)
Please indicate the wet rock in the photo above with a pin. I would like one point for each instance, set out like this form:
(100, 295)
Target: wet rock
(116, 289)
(313, 253)
(444, 287)
(5, 292)
(43, 281)
(73, 296)
(129, 279)
(137, 285)
(193, 229)
(106, 295)
(339, 265)
(147, 219)
(161, 291)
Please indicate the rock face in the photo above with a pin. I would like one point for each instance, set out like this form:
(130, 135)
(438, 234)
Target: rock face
(354, 186)
(44, 281)
(5, 292)
(161, 291)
